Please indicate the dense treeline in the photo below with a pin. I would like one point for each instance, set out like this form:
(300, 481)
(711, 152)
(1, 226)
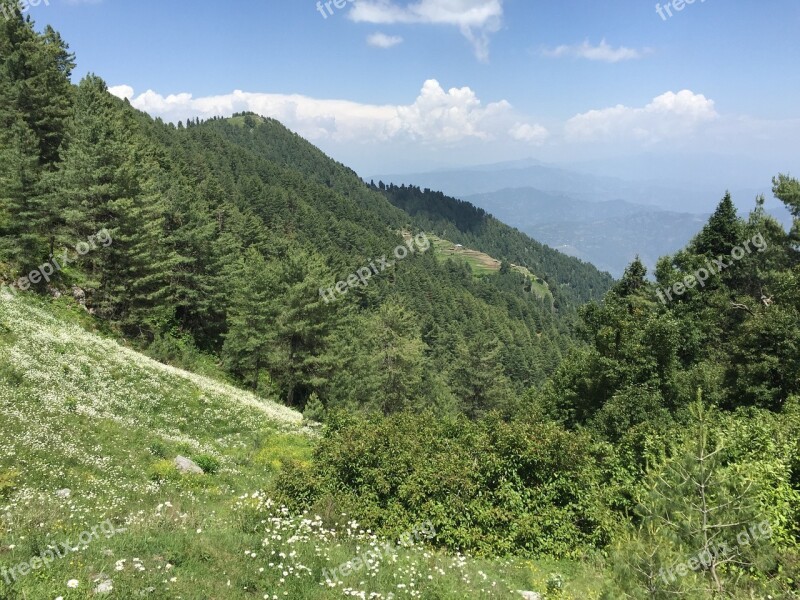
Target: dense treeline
(732, 328)
(674, 433)
(222, 235)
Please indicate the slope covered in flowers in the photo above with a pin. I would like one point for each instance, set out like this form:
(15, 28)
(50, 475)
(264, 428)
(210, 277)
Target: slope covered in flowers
(89, 433)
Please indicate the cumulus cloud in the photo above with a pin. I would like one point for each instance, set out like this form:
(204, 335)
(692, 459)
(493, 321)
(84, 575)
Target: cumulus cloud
(477, 19)
(532, 134)
(381, 40)
(668, 116)
(602, 52)
(122, 91)
(435, 117)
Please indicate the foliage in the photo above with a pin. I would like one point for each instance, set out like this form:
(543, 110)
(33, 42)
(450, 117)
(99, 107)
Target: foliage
(208, 463)
(717, 512)
(488, 487)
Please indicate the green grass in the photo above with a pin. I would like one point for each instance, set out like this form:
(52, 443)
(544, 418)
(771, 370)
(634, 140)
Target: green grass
(80, 411)
(239, 121)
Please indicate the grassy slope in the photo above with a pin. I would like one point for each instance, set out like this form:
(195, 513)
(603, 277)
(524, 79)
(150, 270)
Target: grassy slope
(84, 413)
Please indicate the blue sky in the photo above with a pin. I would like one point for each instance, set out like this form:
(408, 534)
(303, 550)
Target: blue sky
(388, 85)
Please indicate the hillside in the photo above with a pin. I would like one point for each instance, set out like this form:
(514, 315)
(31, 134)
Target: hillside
(90, 433)
(482, 264)
(221, 238)
(572, 282)
(232, 369)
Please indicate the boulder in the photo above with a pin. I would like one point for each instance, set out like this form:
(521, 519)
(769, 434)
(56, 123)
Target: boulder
(187, 465)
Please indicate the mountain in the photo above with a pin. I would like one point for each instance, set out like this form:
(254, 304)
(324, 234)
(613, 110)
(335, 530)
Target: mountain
(669, 183)
(606, 234)
(237, 239)
(603, 220)
(552, 179)
(230, 368)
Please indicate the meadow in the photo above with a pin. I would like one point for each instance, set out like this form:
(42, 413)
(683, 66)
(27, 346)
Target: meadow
(91, 429)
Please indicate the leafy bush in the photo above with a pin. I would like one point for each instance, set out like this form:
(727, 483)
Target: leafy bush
(163, 470)
(158, 449)
(280, 450)
(488, 487)
(209, 464)
(8, 482)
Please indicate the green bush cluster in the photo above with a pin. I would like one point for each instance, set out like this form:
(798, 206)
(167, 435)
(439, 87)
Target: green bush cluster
(209, 464)
(8, 482)
(489, 487)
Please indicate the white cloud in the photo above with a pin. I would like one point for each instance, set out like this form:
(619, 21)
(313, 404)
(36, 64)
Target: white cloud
(533, 134)
(602, 52)
(668, 116)
(436, 117)
(477, 19)
(122, 91)
(442, 127)
(381, 40)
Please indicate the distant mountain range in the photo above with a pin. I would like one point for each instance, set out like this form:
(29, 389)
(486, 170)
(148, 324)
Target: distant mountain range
(604, 220)
(608, 234)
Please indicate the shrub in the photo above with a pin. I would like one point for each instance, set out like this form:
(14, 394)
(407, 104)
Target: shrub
(163, 470)
(9, 479)
(488, 487)
(158, 449)
(314, 410)
(209, 464)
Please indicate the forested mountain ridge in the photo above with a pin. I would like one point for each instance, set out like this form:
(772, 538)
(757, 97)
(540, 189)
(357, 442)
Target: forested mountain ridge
(466, 224)
(223, 234)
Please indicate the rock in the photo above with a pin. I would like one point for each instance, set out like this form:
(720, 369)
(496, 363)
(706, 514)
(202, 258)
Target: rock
(186, 465)
(530, 595)
(79, 295)
(65, 493)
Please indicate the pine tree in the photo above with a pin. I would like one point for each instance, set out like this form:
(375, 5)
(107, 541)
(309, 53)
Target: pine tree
(723, 232)
(633, 279)
(694, 511)
(397, 359)
(248, 342)
(21, 241)
(477, 375)
(301, 359)
(34, 104)
(111, 179)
